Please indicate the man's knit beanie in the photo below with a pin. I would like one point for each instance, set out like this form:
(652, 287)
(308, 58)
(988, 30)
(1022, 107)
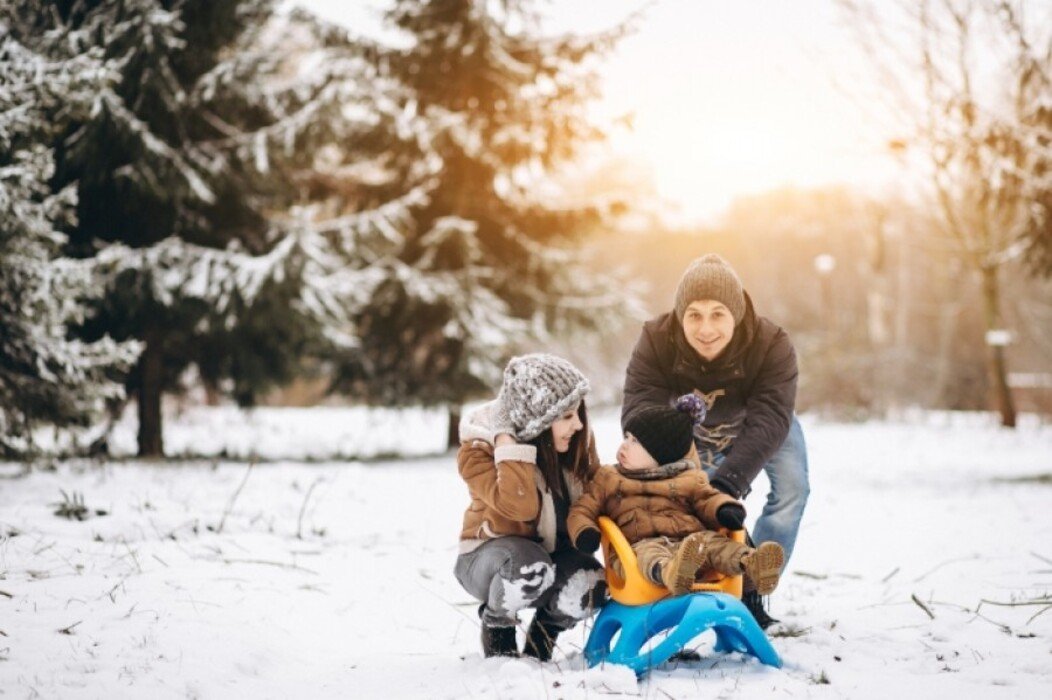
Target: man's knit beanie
(666, 432)
(710, 277)
(537, 390)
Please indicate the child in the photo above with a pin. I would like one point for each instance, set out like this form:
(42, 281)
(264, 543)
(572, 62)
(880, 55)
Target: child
(666, 508)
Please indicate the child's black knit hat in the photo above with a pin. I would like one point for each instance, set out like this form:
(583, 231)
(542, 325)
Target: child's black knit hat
(666, 432)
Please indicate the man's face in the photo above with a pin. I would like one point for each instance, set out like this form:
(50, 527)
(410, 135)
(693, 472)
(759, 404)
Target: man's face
(708, 326)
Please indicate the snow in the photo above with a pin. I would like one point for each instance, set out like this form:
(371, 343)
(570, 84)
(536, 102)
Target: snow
(304, 434)
(195, 583)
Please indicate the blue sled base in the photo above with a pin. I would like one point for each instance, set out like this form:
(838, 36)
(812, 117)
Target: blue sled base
(687, 616)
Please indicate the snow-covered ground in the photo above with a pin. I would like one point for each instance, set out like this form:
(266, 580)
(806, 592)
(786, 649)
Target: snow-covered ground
(334, 578)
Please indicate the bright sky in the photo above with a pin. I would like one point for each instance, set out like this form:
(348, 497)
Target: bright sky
(728, 97)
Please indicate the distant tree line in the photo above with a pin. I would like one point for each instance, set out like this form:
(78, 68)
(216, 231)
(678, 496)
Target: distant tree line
(883, 312)
(980, 128)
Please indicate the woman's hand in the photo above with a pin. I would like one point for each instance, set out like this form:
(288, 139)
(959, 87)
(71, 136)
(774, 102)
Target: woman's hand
(505, 439)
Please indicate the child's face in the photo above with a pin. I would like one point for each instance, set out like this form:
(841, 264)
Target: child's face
(632, 455)
(564, 428)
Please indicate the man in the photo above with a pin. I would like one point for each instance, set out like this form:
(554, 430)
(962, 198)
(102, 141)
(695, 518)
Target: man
(744, 367)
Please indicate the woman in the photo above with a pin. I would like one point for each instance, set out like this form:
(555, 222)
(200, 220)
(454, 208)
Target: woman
(525, 457)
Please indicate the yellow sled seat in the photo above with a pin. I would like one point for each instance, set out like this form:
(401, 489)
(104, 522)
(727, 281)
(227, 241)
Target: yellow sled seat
(650, 625)
(635, 589)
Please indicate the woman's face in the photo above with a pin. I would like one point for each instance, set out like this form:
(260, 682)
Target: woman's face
(633, 456)
(709, 327)
(564, 428)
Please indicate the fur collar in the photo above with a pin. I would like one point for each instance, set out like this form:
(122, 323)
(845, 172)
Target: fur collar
(665, 471)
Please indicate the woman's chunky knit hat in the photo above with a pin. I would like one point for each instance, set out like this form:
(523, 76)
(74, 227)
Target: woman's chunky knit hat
(710, 277)
(537, 390)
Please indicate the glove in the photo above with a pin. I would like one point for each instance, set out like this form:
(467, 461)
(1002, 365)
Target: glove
(718, 482)
(731, 516)
(587, 541)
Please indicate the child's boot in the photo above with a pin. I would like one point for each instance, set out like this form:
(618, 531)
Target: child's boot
(763, 566)
(678, 574)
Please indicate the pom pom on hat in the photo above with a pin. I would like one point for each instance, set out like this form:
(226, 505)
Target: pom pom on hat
(693, 406)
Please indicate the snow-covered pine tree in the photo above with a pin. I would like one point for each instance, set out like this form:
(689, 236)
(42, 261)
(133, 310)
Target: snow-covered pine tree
(198, 196)
(44, 375)
(494, 260)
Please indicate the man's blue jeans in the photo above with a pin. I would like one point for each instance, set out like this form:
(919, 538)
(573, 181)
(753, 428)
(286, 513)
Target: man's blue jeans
(787, 471)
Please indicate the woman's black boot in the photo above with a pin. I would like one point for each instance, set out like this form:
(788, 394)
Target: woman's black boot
(540, 637)
(498, 641)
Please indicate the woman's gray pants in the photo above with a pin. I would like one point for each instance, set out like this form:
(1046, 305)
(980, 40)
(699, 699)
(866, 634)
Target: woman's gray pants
(509, 574)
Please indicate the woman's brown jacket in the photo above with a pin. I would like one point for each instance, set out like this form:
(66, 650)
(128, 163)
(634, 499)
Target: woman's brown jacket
(508, 493)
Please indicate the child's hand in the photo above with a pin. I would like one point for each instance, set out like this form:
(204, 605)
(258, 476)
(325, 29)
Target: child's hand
(587, 540)
(731, 516)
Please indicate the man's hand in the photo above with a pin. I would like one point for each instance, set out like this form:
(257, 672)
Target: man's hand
(726, 487)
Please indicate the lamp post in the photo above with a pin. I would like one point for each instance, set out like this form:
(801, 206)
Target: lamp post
(824, 266)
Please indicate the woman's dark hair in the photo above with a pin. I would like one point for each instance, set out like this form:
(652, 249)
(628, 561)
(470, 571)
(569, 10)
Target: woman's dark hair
(551, 463)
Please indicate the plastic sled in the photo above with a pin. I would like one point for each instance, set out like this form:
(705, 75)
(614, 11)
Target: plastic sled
(641, 610)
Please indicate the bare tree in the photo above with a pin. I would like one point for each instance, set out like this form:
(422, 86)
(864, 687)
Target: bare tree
(971, 79)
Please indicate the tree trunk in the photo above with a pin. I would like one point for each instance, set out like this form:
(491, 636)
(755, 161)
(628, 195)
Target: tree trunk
(949, 313)
(453, 436)
(212, 393)
(151, 375)
(996, 352)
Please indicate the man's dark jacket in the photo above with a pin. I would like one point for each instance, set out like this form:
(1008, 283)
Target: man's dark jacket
(750, 391)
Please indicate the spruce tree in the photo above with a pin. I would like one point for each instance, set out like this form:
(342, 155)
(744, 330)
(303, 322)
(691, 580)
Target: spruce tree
(44, 375)
(199, 204)
(494, 260)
